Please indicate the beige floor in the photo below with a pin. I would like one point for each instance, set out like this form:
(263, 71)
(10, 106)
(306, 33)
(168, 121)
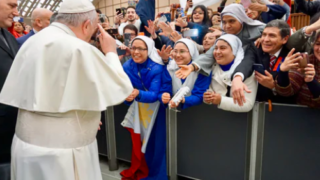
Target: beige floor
(111, 175)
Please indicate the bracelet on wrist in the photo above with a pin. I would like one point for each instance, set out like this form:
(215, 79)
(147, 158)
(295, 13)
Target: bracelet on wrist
(194, 67)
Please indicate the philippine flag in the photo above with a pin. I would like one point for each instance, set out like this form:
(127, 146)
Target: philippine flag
(146, 125)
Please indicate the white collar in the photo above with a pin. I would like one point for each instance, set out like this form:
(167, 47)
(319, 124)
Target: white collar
(35, 31)
(64, 28)
(277, 53)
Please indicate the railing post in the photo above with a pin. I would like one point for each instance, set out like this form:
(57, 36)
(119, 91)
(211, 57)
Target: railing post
(111, 139)
(256, 147)
(172, 144)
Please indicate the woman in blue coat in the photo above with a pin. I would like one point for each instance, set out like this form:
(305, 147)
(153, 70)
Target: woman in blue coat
(184, 51)
(149, 132)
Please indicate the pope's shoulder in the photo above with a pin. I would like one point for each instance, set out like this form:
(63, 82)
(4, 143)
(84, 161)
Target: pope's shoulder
(53, 37)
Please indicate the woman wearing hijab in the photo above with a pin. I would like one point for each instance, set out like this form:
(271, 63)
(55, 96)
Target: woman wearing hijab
(184, 51)
(228, 53)
(236, 22)
(148, 132)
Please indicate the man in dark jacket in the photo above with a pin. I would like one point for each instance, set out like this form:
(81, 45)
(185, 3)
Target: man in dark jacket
(8, 115)
(270, 55)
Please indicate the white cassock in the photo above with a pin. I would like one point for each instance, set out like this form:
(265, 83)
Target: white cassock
(60, 85)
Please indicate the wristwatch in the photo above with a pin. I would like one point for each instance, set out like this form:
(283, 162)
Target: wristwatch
(274, 91)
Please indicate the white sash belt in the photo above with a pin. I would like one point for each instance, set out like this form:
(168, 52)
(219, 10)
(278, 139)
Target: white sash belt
(58, 130)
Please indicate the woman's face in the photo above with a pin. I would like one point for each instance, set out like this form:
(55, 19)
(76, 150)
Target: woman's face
(208, 41)
(139, 51)
(198, 15)
(18, 27)
(231, 25)
(316, 48)
(181, 54)
(252, 14)
(215, 20)
(223, 53)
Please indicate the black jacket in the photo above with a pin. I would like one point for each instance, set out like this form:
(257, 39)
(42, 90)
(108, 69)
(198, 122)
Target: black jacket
(308, 7)
(8, 115)
(265, 94)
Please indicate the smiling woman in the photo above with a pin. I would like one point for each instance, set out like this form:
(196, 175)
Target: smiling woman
(228, 53)
(183, 53)
(145, 71)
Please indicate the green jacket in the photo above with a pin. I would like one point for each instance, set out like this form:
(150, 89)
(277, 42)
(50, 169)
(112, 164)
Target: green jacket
(300, 42)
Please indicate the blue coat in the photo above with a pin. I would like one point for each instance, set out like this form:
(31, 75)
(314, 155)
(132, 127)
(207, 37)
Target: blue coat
(146, 11)
(201, 85)
(23, 39)
(150, 79)
(275, 12)
(150, 73)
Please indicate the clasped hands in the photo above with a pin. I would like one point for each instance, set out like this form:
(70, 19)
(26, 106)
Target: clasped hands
(166, 98)
(212, 98)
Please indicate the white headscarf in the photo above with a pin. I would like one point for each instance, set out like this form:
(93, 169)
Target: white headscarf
(172, 67)
(194, 53)
(237, 11)
(237, 51)
(152, 51)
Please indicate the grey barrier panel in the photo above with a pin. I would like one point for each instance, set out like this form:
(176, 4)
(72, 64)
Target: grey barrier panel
(171, 121)
(111, 139)
(291, 143)
(254, 152)
(102, 137)
(123, 137)
(212, 143)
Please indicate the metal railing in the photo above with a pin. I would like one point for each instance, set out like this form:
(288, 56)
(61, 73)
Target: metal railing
(210, 144)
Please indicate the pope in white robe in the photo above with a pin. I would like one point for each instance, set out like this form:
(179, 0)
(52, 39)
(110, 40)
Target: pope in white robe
(61, 83)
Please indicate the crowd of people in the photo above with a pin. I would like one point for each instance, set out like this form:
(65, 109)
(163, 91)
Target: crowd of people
(68, 66)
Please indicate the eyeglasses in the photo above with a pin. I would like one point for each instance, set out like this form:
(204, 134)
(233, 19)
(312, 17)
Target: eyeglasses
(181, 52)
(133, 49)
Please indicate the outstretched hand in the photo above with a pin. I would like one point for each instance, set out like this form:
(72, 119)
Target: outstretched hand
(184, 71)
(165, 52)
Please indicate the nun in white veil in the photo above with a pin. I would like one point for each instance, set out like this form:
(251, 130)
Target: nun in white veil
(145, 119)
(183, 53)
(229, 54)
(236, 22)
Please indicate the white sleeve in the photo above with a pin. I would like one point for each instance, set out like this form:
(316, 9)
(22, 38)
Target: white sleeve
(239, 74)
(120, 28)
(227, 103)
(113, 60)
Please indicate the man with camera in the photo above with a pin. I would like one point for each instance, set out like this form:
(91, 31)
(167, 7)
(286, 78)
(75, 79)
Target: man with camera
(131, 16)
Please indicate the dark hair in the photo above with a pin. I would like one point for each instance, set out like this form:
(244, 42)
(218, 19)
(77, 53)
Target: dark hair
(282, 25)
(98, 11)
(131, 27)
(210, 20)
(132, 7)
(205, 20)
(21, 25)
